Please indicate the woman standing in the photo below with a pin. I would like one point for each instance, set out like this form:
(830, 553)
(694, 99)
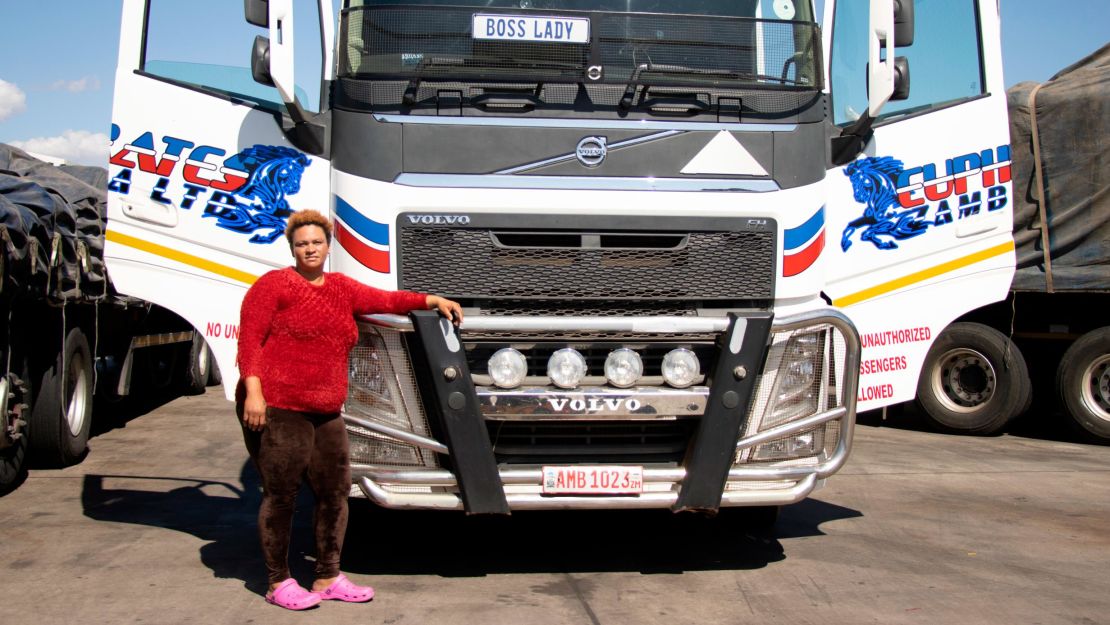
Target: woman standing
(296, 330)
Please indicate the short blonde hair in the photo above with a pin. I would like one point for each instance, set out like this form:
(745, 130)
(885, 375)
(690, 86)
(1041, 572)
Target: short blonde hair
(307, 217)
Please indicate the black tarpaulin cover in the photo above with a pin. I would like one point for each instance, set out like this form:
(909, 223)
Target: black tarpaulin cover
(1073, 117)
(51, 229)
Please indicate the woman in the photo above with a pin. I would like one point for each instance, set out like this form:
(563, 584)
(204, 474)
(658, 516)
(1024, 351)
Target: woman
(296, 330)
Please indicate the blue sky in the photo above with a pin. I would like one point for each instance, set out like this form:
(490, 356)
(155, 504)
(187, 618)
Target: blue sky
(57, 63)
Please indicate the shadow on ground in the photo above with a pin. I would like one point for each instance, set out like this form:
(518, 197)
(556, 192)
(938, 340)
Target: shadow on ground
(109, 415)
(222, 514)
(452, 544)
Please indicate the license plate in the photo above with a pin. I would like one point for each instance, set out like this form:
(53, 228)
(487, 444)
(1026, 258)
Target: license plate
(593, 480)
(531, 28)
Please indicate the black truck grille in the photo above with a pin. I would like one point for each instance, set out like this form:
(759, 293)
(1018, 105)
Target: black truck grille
(485, 264)
(546, 442)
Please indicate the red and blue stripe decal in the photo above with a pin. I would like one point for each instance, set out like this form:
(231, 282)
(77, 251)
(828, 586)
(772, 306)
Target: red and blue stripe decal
(802, 245)
(366, 240)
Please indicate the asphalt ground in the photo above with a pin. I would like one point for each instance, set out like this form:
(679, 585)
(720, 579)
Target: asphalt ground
(157, 525)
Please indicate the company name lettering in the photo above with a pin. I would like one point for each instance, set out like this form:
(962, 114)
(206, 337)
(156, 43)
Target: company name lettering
(226, 175)
(917, 187)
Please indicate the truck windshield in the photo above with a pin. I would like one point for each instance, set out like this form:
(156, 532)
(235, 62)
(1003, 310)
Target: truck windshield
(708, 45)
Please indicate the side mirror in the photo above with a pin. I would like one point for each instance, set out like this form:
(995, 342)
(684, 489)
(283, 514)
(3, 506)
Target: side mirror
(901, 79)
(260, 61)
(880, 66)
(888, 77)
(903, 23)
(257, 12)
(281, 48)
(272, 65)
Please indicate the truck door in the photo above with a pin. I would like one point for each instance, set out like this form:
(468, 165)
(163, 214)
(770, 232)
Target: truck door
(920, 223)
(201, 175)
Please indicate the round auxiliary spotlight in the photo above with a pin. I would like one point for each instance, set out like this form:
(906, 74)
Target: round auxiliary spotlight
(681, 367)
(507, 367)
(623, 367)
(566, 368)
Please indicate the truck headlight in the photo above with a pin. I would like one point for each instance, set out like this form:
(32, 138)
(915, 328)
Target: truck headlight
(681, 367)
(566, 368)
(796, 446)
(623, 367)
(796, 390)
(507, 367)
(804, 375)
(382, 388)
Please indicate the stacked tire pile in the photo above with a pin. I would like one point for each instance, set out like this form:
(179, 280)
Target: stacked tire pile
(52, 279)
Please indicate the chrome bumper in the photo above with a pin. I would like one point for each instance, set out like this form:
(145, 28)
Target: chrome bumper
(791, 491)
(746, 485)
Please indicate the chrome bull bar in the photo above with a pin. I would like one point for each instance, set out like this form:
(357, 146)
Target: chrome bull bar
(391, 487)
(797, 482)
(541, 403)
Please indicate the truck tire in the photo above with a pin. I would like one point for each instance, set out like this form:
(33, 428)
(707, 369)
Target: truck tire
(13, 437)
(974, 381)
(200, 365)
(214, 376)
(58, 432)
(1083, 383)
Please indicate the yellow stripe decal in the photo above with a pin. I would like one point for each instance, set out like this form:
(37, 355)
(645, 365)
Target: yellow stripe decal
(181, 257)
(925, 274)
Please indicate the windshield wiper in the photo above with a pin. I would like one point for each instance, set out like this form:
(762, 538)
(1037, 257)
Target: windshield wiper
(409, 97)
(651, 68)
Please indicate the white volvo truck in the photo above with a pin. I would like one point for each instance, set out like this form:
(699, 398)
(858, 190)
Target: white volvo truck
(692, 239)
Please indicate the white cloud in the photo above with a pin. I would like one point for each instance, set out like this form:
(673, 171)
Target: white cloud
(75, 146)
(12, 100)
(88, 83)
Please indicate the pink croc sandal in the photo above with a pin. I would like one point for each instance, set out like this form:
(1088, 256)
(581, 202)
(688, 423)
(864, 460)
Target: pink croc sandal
(291, 596)
(343, 589)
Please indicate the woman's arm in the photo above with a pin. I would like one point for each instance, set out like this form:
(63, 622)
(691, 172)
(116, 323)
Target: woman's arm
(255, 318)
(254, 406)
(446, 307)
(366, 299)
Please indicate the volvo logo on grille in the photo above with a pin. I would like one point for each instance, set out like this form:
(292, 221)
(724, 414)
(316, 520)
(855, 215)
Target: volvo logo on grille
(591, 151)
(593, 404)
(439, 220)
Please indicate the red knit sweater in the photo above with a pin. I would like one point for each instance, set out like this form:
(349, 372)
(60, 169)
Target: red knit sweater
(296, 336)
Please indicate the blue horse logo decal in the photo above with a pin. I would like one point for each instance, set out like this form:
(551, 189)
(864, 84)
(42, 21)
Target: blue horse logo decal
(260, 204)
(874, 184)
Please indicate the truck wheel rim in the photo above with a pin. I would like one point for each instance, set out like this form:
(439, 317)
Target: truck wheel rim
(1096, 387)
(202, 361)
(964, 380)
(78, 383)
(4, 407)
